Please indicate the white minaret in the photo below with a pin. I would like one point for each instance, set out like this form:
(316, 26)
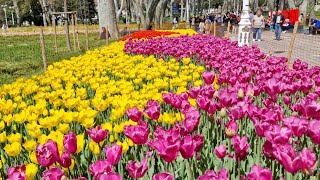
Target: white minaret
(244, 36)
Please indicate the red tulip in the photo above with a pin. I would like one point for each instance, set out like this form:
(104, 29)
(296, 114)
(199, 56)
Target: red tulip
(138, 134)
(52, 174)
(135, 114)
(113, 153)
(70, 142)
(231, 128)
(220, 151)
(100, 167)
(257, 172)
(97, 134)
(137, 170)
(208, 77)
(240, 146)
(163, 176)
(17, 173)
(47, 154)
(65, 160)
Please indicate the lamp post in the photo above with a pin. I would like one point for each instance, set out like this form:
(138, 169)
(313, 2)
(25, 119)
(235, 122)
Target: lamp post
(244, 36)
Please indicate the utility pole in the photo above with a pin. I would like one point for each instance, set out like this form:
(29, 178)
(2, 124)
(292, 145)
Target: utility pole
(67, 25)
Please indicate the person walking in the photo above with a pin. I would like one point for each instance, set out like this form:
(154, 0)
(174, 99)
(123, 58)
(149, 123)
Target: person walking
(257, 24)
(278, 20)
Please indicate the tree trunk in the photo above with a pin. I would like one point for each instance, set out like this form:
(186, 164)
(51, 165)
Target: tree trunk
(107, 17)
(270, 4)
(17, 10)
(119, 10)
(311, 8)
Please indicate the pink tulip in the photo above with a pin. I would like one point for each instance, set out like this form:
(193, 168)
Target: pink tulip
(65, 160)
(52, 174)
(313, 110)
(47, 154)
(70, 142)
(297, 125)
(208, 77)
(135, 114)
(163, 176)
(231, 128)
(153, 109)
(109, 176)
(203, 102)
(192, 119)
(257, 172)
(137, 170)
(168, 151)
(240, 146)
(194, 91)
(278, 134)
(286, 100)
(220, 151)
(268, 150)
(97, 134)
(187, 147)
(100, 167)
(309, 160)
(287, 156)
(113, 153)
(167, 97)
(212, 107)
(17, 173)
(176, 101)
(138, 134)
(314, 131)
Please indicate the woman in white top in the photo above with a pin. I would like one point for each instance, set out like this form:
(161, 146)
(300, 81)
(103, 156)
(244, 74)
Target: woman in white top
(257, 24)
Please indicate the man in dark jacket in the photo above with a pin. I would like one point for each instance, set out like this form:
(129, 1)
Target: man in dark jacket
(277, 21)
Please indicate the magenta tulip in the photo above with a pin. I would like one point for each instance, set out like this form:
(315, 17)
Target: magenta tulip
(192, 119)
(198, 141)
(168, 151)
(100, 167)
(194, 92)
(52, 174)
(309, 160)
(203, 102)
(297, 125)
(163, 176)
(153, 109)
(231, 128)
(257, 172)
(65, 160)
(313, 110)
(220, 151)
(286, 100)
(187, 147)
(97, 134)
(47, 154)
(314, 131)
(70, 142)
(138, 134)
(211, 175)
(240, 146)
(109, 176)
(17, 173)
(278, 134)
(113, 153)
(135, 114)
(137, 170)
(208, 77)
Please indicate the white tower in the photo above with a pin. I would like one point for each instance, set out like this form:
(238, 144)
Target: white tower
(244, 36)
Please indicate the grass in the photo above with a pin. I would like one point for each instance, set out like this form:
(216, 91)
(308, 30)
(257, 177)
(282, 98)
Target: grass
(21, 57)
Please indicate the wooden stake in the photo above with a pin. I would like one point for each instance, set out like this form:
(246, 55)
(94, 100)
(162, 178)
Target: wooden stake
(228, 29)
(67, 25)
(87, 37)
(107, 35)
(77, 32)
(74, 32)
(292, 42)
(55, 34)
(43, 49)
(214, 28)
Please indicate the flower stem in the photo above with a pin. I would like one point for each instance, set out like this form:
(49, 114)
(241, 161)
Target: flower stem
(239, 169)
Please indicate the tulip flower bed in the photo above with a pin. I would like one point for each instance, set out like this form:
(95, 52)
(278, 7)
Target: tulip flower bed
(148, 34)
(186, 107)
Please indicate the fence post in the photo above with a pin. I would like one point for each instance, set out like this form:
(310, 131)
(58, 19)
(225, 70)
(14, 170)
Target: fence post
(87, 37)
(292, 42)
(77, 31)
(55, 33)
(107, 36)
(43, 50)
(74, 31)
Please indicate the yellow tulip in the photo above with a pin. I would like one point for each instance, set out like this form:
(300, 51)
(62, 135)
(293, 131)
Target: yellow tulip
(30, 145)
(15, 138)
(94, 148)
(31, 171)
(80, 142)
(33, 157)
(13, 149)
(2, 125)
(3, 137)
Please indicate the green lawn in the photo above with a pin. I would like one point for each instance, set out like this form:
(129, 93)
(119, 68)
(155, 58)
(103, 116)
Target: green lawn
(20, 56)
